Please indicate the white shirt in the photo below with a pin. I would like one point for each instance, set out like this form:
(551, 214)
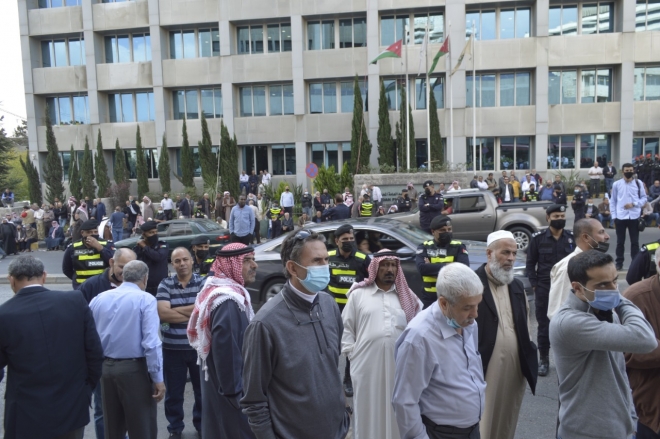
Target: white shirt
(39, 214)
(265, 180)
(482, 185)
(376, 195)
(244, 178)
(525, 185)
(507, 195)
(167, 204)
(595, 172)
(560, 285)
(286, 199)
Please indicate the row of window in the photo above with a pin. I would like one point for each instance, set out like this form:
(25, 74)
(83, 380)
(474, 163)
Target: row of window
(581, 151)
(588, 18)
(194, 43)
(595, 85)
(326, 97)
(186, 103)
(131, 107)
(151, 156)
(417, 99)
(127, 48)
(63, 52)
(68, 110)
(350, 32)
(514, 89)
(250, 39)
(647, 83)
(647, 15)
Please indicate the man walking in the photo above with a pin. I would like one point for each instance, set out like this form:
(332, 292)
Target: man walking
(176, 300)
(609, 172)
(628, 197)
(154, 253)
(241, 222)
(53, 366)
(132, 381)
(222, 312)
(286, 201)
(117, 222)
(168, 206)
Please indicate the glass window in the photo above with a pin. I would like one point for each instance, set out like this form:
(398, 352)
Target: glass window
(488, 28)
(589, 18)
(142, 107)
(259, 100)
(436, 28)
(523, 91)
(587, 151)
(64, 103)
(437, 89)
(640, 19)
(345, 33)
(328, 34)
(522, 152)
(60, 53)
(485, 148)
(243, 39)
(273, 37)
(638, 146)
(176, 45)
(507, 152)
(318, 154)
(114, 105)
(124, 48)
(346, 153)
(507, 90)
(278, 159)
(52, 110)
(391, 94)
(285, 30)
(554, 21)
(329, 97)
(554, 88)
(256, 39)
(588, 86)
(488, 90)
(652, 81)
(523, 20)
(315, 98)
(639, 84)
(470, 82)
(77, 52)
(569, 87)
(290, 157)
(246, 101)
(204, 38)
(604, 85)
(47, 54)
(192, 110)
(189, 50)
(470, 18)
(217, 97)
(127, 107)
(81, 109)
(567, 152)
(332, 155)
(141, 48)
(215, 42)
(314, 35)
(347, 97)
(359, 32)
(287, 98)
(179, 104)
(569, 20)
(275, 99)
(392, 28)
(507, 23)
(420, 93)
(248, 158)
(207, 103)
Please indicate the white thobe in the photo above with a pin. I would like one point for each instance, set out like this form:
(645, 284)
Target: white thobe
(373, 321)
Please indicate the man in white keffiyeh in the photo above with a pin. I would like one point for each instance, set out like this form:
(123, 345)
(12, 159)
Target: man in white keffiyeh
(216, 327)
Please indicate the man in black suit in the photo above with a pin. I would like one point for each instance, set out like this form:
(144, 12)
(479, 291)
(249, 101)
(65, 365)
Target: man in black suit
(52, 366)
(506, 190)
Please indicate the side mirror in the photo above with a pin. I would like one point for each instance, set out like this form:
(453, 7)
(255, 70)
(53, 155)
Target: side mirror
(405, 253)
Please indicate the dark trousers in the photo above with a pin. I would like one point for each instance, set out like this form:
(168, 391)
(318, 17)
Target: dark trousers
(257, 231)
(621, 225)
(435, 431)
(644, 432)
(247, 239)
(75, 434)
(277, 229)
(177, 364)
(128, 405)
(428, 299)
(288, 209)
(98, 412)
(594, 187)
(168, 214)
(541, 295)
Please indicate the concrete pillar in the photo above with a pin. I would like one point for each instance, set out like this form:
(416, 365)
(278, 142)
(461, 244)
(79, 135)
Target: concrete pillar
(455, 19)
(297, 65)
(373, 78)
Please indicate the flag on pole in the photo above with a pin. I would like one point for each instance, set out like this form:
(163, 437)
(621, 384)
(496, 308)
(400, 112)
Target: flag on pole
(422, 53)
(394, 51)
(467, 50)
(442, 52)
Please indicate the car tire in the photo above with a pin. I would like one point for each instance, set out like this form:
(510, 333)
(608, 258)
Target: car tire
(522, 236)
(271, 289)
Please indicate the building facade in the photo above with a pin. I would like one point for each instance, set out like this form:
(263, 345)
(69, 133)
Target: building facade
(558, 84)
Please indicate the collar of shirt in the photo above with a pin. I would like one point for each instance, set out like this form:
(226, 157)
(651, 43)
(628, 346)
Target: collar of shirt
(440, 320)
(307, 297)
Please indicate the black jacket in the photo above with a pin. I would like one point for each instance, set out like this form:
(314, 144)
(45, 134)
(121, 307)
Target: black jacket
(53, 366)
(487, 322)
(95, 285)
(340, 211)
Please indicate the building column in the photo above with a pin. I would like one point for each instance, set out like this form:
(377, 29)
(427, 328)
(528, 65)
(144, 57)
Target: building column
(455, 15)
(158, 54)
(373, 78)
(622, 152)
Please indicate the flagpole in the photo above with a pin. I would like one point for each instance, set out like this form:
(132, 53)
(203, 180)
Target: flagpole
(407, 100)
(428, 99)
(474, 104)
(451, 102)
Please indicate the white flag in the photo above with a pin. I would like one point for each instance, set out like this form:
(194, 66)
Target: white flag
(467, 50)
(422, 53)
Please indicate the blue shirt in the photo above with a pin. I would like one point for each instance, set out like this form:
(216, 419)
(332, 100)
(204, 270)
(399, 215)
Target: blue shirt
(127, 322)
(170, 289)
(624, 192)
(117, 220)
(438, 374)
(241, 221)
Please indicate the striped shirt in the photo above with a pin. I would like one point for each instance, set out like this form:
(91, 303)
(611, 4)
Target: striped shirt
(170, 289)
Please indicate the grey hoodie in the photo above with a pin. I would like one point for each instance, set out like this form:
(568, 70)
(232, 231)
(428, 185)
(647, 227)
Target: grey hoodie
(290, 378)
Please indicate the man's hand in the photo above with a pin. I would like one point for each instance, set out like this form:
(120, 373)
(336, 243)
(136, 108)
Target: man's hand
(628, 206)
(142, 243)
(159, 391)
(92, 242)
(426, 261)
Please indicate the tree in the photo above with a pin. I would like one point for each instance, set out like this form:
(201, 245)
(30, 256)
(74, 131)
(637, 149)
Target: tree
(386, 154)
(87, 173)
(437, 158)
(360, 144)
(327, 178)
(228, 170)
(187, 161)
(34, 185)
(207, 158)
(102, 178)
(52, 170)
(120, 172)
(6, 148)
(164, 167)
(141, 166)
(75, 186)
(401, 135)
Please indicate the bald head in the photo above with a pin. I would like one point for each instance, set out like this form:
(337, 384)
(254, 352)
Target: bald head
(588, 232)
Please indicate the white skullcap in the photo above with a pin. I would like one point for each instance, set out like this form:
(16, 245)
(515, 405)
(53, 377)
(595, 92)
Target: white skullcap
(500, 234)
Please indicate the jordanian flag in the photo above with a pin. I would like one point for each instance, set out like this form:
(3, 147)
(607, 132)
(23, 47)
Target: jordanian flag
(442, 52)
(394, 51)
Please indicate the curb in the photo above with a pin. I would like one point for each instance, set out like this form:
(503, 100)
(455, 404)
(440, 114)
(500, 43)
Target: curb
(50, 279)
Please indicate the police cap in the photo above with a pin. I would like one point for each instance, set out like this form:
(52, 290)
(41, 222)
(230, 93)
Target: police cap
(91, 224)
(440, 221)
(427, 183)
(555, 208)
(199, 240)
(148, 225)
(345, 228)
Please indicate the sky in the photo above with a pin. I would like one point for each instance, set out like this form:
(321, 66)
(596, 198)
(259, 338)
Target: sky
(12, 97)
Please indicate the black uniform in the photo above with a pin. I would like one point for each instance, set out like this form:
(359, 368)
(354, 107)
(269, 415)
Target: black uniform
(80, 262)
(438, 257)
(403, 204)
(345, 271)
(436, 204)
(274, 214)
(543, 253)
(204, 268)
(644, 264)
(156, 259)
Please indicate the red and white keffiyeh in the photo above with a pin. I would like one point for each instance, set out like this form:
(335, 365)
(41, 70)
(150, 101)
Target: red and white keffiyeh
(226, 284)
(407, 298)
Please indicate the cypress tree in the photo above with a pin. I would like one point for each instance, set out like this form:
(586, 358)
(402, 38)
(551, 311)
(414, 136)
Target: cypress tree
(360, 144)
(34, 185)
(120, 172)
(75, 186)
(228, 162)
(207, 158)
(53, 172)
(187, 161)
(386, 155)
(164, 167)
(102, 178)
(141, 166)
(401, 135)
(437, 158)
(87, 173)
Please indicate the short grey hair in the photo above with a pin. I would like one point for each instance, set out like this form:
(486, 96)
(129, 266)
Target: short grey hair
(456, 281)
(123, 252)
(292, 247)
(135, 271)
(25, 267)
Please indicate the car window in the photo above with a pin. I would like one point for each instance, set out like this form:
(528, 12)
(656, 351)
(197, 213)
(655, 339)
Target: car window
(471, 204)
(179, 229)
(207, 226)
(376, 241)
(162, 228)
(413, 234)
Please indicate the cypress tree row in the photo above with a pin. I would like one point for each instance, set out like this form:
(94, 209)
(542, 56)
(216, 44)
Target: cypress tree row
(75, 186)
(207, 158)
(53, 172)
(141, 166)
(228, 170)
(102, 178)
(437, 157)
(360, 144)
(164, 167)
(386, 155)
(34, 185)
(187, 161)
(120, 172)
(87, 173)
(402, 155)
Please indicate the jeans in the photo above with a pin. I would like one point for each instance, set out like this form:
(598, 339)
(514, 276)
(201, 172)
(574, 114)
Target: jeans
(62, 222)
(309, 211)
(644, 432)
(245, 186)
(177, 364)
(651, 217)
(594, 187)
(623, 225)
(516, 200)
(117, 234)
(608, 184)
(605, 220)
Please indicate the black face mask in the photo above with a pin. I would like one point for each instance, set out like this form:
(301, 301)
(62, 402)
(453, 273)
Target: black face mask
(152, 240)
(348, 246)
(628, 174)
(201, 254)
(558, 224)
(601, 247)
(115, 278)
(444, 239)
(427, 191)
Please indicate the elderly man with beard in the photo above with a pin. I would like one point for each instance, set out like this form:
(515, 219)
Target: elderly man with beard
(377, 312)
(507, 352)
(221, 314)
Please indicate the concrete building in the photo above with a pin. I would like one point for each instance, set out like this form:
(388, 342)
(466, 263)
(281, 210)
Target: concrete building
(558, 84)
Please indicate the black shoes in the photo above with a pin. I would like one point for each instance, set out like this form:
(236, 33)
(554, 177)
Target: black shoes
(544, 365)
(175, 435)
(619, 267)
(348, 387)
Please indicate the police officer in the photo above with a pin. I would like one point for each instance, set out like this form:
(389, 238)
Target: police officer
(201, 261)
(431, 205)
(154, 253)
(531, 194)
(347, 265)
(644, 264)
(404, 203)
(274, 215)
(367, 208)
(433, 255)
(546, 248)
(87, 256)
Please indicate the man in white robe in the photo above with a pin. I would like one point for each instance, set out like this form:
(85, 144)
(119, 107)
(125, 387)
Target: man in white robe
(377, 312)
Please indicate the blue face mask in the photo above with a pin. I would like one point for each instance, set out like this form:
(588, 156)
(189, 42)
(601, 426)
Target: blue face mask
(604, 300)
(453, 323)
(318, 277)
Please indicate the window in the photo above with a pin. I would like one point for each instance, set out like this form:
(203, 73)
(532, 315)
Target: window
(353, 32)
(514, 153)
(644, 146)
(58, 3)
(485, 150)
(255, 158)
(514, 89)
(647, 15)
(321, 35)
(513, 23)
(251, 38)
(66, 161)
(68, 110)
(393, 92)
(283, 158)
(151, 156)
(127, 48)
(588, 18)
(194, 43)
(595, 86)
(335, 154)
(511, 153)
(187, 103)
(594, 148)
(323, 97)
(346, 90)
(561, 152)
(197, 172)
(255, 99)
(113, 1)
(63, 52)
(131, 107)
(393, 28)
(647, 83)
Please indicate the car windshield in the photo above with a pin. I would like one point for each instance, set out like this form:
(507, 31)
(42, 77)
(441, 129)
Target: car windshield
(413, 234)
(207, 226)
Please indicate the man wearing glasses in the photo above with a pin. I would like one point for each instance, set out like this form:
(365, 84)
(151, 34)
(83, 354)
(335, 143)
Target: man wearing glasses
(291, 352)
